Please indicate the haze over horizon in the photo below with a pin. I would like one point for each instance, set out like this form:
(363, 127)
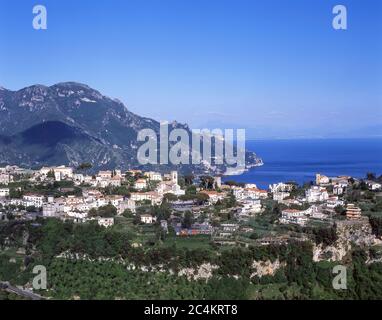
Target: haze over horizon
(279, 70)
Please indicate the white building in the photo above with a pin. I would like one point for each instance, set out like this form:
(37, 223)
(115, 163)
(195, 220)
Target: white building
(280, 196)
(333, 202)
(128, 204)
(214, 196)
(250, 206)
(170, 187)
(218, 182)
(78, 178)
(4, 192)
(154, 197)
(60, 172)
(140, 184)
(116, 181)
(253, 193)
(316, 194)
(321, 179)
(5, 178)
(115, 200)
(293, 216)
(106, 222)
(52, 209)
(280, 187)
(174, 177)
(372, 185)
(31, 199)
(338, 189)
(153, 176)
(148, 218)
(105, 174)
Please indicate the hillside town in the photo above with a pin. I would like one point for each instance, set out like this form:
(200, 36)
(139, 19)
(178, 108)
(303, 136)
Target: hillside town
(185, 206)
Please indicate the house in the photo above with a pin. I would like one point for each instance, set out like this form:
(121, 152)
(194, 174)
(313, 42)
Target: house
(170, 187)
(174, 177)
(101, 202)
(115, 181)
(73, 200)
(140, 184)
(5, 178)
(164, 225)
(218, 182)
(293, 216)
(153, 176)
(105, 222)
(78, 178)
(353, 212)
(91, 193)
(338, 189)
(4, 192)
(316, 194)
(280, 196)
(291, 202)
(152, 196)
(341, 180)
(229, 227)
(79, 216)
(60, 172)
(322, 180)
(128, 204)
(148, 218)
(105, 174)
(316, 212)
(281, 187)
(333, 202)
(226, 230)
(115, 200)
(253, 193)
(372, 185)
(250, 206)
(32, 199)
(214, 196)
(134, 172)
(52, 209)
(196, 229)
(89, 180)
(238, 192)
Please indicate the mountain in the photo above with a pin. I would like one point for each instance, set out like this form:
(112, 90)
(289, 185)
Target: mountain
(70, 123)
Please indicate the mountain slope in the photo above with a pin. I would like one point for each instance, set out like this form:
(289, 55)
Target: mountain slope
(69, 123)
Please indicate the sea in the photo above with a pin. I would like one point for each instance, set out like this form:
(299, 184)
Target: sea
(300, 160)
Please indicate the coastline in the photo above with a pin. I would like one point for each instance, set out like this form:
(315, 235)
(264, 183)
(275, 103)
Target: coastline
(300, 159)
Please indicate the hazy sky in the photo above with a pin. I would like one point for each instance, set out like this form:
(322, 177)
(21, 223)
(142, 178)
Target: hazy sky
(274, 66)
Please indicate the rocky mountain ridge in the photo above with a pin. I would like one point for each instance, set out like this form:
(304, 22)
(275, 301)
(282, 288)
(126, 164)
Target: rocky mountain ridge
(70, 123)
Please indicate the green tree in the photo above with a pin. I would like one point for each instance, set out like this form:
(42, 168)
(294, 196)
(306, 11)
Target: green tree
(188, 220)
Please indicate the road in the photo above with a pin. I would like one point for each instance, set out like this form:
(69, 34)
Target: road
(24, 293)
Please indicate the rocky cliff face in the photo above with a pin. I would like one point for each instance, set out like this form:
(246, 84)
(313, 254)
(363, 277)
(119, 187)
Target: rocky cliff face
(70, 123)
(349, 233)
(266, 268)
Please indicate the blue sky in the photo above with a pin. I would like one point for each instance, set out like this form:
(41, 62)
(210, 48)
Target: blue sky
(275, 67)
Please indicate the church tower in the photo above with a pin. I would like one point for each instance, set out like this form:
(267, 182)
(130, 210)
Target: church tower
(174, 176)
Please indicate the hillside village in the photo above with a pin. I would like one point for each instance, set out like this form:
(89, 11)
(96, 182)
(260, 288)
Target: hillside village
(184, 206)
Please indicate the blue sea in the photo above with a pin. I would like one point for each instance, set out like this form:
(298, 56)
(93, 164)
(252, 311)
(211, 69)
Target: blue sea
(300, 160)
